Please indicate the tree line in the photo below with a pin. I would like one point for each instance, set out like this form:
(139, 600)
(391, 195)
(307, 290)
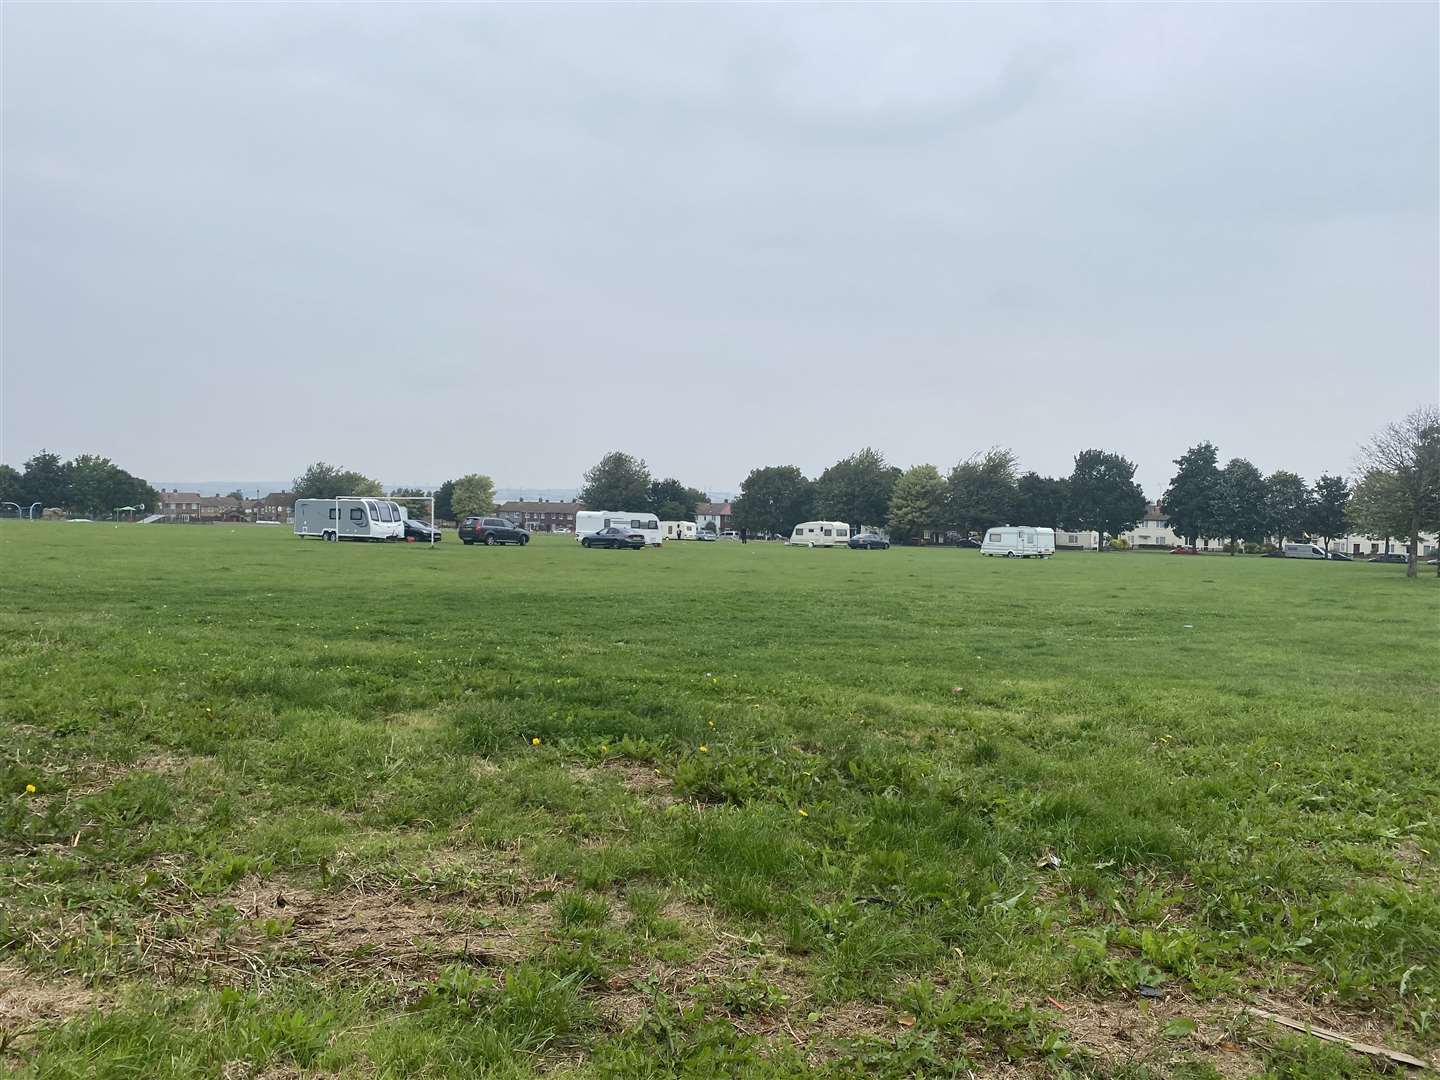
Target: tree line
(984, 490)
(1395, 494)
(86, 484)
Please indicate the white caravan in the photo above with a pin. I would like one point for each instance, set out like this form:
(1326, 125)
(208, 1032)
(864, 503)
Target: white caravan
(1304, 551)
(678, 530)
(1047, 540)
(821, 534)
(350, 517)
(590, 521)
(1014, 542)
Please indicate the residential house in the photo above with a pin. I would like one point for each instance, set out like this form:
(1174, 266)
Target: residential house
(714, 516)
(179, 505)
(192, 506)
(1364, 546)
(277, 506)
(540, 515)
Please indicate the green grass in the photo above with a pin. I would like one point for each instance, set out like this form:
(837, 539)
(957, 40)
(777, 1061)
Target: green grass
(783, 816)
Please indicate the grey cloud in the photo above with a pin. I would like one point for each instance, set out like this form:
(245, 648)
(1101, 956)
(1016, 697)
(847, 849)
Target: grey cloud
(738, 235)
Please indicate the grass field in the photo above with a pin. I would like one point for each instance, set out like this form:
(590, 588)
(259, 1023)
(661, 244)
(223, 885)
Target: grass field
(715, 810)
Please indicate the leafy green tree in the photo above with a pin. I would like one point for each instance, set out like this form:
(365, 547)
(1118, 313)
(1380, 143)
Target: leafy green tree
(473, 496)
(12, 485)
(1104, 495)
(98, 486)
(982, 491)
(618, 481)
(1374, 504)
(1329, 500)
(46, 480)
(670, 500)
(917, 502)
(324, 481)
(857, 489)
(1041, 500)
(1287, 506)
(1190, 502)
(1241, 512)
(774, 500)
(1400, 486)
(444, 501)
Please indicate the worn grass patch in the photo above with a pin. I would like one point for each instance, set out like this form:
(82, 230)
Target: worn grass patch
(713, 810)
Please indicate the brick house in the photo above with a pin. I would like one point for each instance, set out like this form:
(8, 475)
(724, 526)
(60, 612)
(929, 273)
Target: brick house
(276, 506)
(541, 515)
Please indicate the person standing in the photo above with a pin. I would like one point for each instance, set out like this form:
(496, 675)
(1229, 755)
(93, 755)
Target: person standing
(743, 538)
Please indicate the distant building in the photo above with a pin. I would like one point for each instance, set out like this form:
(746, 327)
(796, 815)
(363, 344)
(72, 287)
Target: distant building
(716, 516)
(180, 505)
(192, 506)
(277, 506)
(1365, 546)
(540, 515)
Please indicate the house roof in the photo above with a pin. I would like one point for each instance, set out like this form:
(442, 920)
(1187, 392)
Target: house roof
(278, 498)
(540, 506)
(717, 509)
(180, 496)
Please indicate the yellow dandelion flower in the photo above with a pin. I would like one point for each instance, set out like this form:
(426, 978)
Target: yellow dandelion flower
(803, 813)
(534, 742)
(29, 789)
(704, 749)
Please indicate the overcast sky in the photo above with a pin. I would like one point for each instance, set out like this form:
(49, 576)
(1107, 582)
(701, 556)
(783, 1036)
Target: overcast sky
(421, 240)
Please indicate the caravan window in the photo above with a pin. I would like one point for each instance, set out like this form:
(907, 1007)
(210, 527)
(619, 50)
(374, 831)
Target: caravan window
(357, 515)
(843, 531)
(332, 513)
(826, 532)
(385, 514)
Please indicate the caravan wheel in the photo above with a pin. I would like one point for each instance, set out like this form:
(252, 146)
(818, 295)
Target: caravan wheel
(1009, 554)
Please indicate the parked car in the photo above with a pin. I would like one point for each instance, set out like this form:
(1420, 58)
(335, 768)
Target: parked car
(969, 542)
(1184, 549)
(422, 531)
(1278, 553)
(491, 530)
(706, 534)
(729, 534)
(1340, 556)
(869, 541)
(614, 537)
(1393, 557)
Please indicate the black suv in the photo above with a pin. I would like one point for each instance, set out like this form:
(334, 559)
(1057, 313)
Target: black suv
(490, 530)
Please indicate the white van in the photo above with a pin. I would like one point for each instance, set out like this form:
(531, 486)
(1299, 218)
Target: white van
(821, 534)
(678, 530)
(1304, 551)
(590, 521)
(1014, 542)
(350, 517)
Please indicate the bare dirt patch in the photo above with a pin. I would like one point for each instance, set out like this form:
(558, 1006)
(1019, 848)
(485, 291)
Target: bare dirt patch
(27, 1000)
(641, 779)
(725, 957)
(262, 928)
(1121, 1031)
(82, 779)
